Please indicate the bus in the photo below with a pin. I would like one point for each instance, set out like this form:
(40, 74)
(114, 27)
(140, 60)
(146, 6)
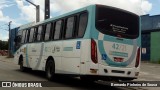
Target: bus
(95, 42)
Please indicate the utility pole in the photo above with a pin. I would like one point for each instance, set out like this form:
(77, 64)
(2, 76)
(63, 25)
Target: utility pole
(47, 9)
(9, 39)
(37, 10)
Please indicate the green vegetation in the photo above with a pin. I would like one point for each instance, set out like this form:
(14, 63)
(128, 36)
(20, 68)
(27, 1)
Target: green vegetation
(159, 61)
(3, 45)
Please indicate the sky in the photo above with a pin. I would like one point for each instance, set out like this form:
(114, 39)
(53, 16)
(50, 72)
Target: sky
(21, 12)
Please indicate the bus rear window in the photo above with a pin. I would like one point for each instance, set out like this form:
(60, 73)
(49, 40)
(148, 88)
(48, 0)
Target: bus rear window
(117, 22)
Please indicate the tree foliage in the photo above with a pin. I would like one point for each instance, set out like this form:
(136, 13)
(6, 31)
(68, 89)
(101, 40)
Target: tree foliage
(3, 45)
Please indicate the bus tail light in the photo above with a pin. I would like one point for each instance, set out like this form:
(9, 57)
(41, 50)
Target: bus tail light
(138, 58)
(94, 51)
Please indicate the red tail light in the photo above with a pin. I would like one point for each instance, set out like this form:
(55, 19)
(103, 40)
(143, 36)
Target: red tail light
(137, 58)
(94, 51)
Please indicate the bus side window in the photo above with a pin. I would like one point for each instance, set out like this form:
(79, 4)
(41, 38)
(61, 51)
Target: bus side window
(52, 30)
(35, 34)
(18, 37)
(58, 27)
(23, 36)
(39, 33)
(83, 19)
(47, 32)
(69, 29)
(26, 39)
(31, 35)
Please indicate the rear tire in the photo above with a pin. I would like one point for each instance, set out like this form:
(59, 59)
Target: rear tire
(50, 70)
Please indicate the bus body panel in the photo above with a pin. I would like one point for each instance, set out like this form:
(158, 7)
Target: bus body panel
(71, 53)
(35, 54)
(85, 56)
(109, 49)
(21, 52)
(54, 49)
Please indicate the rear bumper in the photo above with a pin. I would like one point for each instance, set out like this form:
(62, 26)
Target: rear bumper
(118, 71)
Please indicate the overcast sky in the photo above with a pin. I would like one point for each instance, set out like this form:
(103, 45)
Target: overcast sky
(20, 12)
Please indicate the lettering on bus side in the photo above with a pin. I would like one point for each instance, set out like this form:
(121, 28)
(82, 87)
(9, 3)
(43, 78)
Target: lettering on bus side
(53, 50)
(56, 49)
(34, 51)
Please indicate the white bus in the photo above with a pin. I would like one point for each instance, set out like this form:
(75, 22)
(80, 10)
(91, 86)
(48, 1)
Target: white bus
(94, 42)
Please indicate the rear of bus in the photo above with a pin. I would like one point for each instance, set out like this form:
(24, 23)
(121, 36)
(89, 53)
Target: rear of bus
(115, 43)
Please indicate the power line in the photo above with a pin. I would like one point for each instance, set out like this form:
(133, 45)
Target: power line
(4, 29)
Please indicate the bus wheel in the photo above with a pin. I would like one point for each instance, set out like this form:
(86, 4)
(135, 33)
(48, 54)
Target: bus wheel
(50, 70)
(22, 68)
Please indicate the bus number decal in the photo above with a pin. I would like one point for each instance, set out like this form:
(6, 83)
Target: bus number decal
(120, 47)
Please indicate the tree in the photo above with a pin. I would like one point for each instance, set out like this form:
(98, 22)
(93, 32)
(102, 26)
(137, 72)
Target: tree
(3, 45)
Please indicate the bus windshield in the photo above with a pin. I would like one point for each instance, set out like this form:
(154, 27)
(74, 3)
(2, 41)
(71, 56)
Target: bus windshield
(117, 22)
